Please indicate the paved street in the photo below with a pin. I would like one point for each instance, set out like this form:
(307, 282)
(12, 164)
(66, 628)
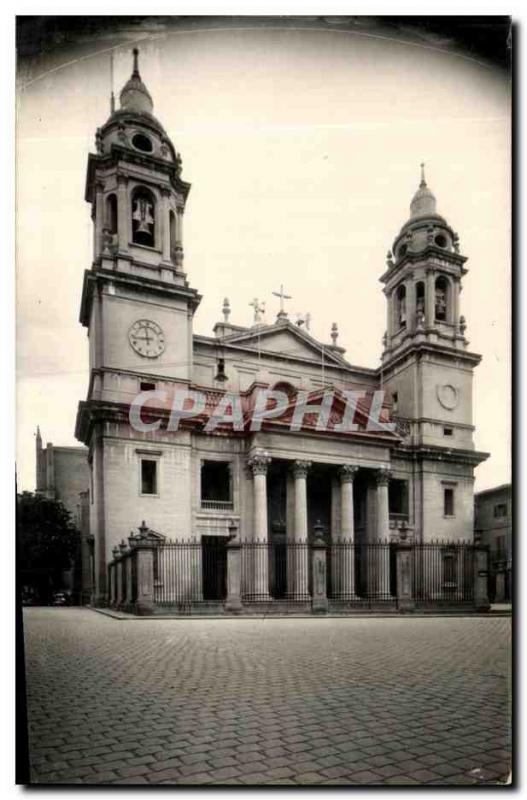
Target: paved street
(250, 701)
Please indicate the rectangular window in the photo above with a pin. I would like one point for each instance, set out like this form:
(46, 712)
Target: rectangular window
(148, 476)
(216, 485)
(500, 510)
(147, 387)
(398, 499)
(448, 503)
(448, 431)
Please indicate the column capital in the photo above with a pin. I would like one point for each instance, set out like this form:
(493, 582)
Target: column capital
(259, 463)
(382, 476)
(300, 468)
(347, 472)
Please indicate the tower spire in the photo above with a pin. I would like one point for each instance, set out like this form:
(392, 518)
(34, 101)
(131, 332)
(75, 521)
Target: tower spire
(423, 180)
(135, 72)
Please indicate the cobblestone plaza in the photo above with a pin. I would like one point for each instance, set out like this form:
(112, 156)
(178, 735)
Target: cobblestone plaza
(256, 701)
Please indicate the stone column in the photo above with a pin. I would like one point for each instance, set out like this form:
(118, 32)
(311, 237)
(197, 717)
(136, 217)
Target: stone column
(455, 305)
(99, 218)
(410, 304)
(234, 575)
(382, 551)
(345, 550)
(165, 225)
(259, 464)
(430, 299)
(389, 316)
(122, 213)
(300, 547)
(179, 225)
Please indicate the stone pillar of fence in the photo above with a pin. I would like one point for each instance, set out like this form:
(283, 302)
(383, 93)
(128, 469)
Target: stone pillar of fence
(234, 576)
(404, 575)
(128, 569)
(118, 581)
(319, 600)
(144, 546)
(111, 583)
(481, 572)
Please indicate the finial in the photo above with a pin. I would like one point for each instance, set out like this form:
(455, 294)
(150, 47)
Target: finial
(112, 96)
(226, 309)
(334, 333)
(135, 73)
(423, 180)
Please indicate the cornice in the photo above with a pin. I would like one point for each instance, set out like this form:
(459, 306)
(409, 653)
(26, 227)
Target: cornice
(431, 251)
(119, 154)
(97, 277)
(417, 349)
(436, 453)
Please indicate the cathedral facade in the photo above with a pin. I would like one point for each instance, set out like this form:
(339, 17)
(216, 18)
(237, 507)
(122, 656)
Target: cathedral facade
(277, 481)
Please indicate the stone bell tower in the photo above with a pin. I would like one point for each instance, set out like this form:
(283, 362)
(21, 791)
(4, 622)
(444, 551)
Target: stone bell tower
(423, 279)
(137, 304)
(138, 309)
(426, 366)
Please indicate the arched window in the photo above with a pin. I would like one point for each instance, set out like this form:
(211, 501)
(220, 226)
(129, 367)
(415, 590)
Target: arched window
(173, 231)
(441, 299)
(419, 302)
(143, 217)
(111, 214)
(401, 306)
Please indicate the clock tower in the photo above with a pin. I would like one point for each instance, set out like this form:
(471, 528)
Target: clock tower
(427, 367)
(137, 304)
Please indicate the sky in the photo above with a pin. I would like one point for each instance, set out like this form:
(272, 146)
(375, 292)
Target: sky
(302, 145)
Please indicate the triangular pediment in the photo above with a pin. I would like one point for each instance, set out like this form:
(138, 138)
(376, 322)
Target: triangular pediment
(287, 340)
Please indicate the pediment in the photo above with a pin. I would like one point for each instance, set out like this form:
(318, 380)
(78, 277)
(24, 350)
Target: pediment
(287, 340)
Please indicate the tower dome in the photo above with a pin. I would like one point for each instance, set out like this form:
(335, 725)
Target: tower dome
(423, 202)
(134, 94)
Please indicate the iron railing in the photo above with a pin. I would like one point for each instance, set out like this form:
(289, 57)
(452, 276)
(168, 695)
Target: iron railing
(192, 574)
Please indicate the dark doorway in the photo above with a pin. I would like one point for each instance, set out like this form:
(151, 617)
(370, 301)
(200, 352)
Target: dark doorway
(214, 566)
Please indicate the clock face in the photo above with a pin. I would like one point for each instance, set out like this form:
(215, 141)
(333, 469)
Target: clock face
(147, 338)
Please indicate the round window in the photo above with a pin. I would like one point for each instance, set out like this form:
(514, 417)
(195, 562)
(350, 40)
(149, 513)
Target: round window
(142, 142)
(440, 240)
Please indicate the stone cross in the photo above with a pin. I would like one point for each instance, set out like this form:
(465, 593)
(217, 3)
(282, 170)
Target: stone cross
(259, 309)
(281, 294)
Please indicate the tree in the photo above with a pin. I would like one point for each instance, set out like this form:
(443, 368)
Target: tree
(47, 542)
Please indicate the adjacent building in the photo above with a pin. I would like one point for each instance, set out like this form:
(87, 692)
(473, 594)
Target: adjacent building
(62, 473)
(493, 528)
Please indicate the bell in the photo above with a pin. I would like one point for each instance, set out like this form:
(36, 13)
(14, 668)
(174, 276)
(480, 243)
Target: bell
(220, 374)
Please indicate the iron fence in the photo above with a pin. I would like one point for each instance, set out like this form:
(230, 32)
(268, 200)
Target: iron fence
(192, 574)
(443, 573)
(275, 571)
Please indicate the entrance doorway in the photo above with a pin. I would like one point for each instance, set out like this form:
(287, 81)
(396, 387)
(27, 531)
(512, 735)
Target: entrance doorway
(214, 567)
